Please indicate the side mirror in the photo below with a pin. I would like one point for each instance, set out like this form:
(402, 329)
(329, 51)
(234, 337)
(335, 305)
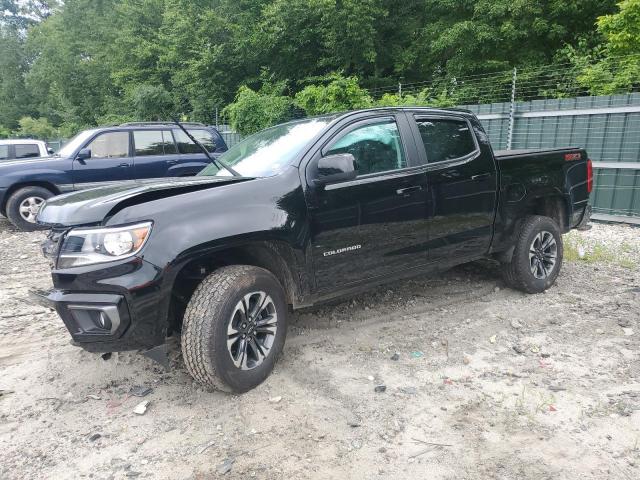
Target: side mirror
(336, 168)
(50, 150)
(83, 154)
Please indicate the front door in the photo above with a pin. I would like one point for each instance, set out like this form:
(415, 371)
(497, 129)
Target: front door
(110, 163)
(373, 225)
(462, 179)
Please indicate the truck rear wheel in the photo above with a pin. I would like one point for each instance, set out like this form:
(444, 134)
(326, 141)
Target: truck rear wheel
(23, 206)
(537, 257)
(234, 328)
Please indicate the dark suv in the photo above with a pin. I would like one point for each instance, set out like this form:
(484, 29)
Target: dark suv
(104, 156)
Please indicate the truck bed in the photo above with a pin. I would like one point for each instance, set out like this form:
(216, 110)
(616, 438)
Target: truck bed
(525, 152)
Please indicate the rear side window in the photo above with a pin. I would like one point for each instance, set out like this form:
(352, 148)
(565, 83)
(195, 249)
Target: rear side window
(445, 139)
(153, 142)
(110, 145)
(4, 152)
(29, 150)
(185, 145)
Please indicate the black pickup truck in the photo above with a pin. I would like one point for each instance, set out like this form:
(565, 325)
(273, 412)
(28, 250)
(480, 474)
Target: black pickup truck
(295, 215)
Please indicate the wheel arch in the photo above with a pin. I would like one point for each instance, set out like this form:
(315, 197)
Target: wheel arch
(554, 206)
(277, 257)
(17, 186)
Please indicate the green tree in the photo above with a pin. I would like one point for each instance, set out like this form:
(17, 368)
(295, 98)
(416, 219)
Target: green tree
(36, 128)
(338, 95)
(253, 111)
(14, 99)
(152, 102)
(618, 67)
(70, 77)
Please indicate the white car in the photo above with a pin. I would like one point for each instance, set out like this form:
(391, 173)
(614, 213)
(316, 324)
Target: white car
(23, 148)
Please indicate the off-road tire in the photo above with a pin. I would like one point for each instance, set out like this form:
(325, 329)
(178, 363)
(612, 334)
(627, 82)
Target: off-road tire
(204, 329)
(517, 273)
(13, 206)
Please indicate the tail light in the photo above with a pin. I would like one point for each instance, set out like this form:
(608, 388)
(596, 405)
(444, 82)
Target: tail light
(589, 176)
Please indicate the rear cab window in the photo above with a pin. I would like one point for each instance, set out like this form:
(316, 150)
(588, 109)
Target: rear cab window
(27, 150)
(153, 142)
(446, 138)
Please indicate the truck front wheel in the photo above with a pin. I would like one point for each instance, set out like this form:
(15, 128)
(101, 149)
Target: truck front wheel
(234, 328)
(537, 257)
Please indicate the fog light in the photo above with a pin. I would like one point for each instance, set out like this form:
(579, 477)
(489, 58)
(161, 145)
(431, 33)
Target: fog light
(95, 319)
(104, 321)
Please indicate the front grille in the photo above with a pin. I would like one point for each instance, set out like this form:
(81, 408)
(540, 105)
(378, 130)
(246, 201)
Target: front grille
(51, 246)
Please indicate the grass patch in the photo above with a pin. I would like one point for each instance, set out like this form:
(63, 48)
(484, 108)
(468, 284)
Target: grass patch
(597, 253)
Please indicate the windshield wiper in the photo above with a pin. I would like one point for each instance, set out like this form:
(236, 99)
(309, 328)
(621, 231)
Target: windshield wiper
(206, 152)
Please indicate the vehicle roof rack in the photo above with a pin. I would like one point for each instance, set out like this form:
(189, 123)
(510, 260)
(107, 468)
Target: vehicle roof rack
(143, 124)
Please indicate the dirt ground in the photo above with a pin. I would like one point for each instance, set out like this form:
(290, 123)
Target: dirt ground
(487, 383)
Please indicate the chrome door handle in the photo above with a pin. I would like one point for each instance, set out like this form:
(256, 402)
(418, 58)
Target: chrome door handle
(124, 165)
(482, 176)
(407, 190)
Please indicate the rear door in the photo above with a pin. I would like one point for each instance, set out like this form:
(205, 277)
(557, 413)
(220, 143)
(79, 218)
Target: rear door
(154, 153)
(374, 225)
(462, 179)
(111, 161)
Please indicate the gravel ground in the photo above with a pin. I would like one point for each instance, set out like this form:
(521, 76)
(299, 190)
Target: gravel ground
(481, 382)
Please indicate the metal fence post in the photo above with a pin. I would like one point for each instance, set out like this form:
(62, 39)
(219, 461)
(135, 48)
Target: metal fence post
(512, 109)
(400, 90)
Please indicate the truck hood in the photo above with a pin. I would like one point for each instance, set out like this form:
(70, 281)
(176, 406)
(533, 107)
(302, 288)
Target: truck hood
(93, 206)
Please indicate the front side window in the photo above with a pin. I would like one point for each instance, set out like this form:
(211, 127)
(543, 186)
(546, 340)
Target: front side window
(445, 139)
(29, 150)
(376, 147)
(185, 145)
(110, 145)
(4, 152)
(153, 142)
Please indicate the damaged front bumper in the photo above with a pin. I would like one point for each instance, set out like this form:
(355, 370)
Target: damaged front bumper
(112, 307)
(89, 317)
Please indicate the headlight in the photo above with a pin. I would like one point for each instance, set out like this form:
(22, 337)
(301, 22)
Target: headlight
(86, 246)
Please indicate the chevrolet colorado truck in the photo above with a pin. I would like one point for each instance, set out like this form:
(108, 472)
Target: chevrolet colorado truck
(295, 215)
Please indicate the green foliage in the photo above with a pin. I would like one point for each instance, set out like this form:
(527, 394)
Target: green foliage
(85, 62)
(253, 111)
(619, 67)
(339, 95)
(152, 102)
(14, 100)
(39, 128)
